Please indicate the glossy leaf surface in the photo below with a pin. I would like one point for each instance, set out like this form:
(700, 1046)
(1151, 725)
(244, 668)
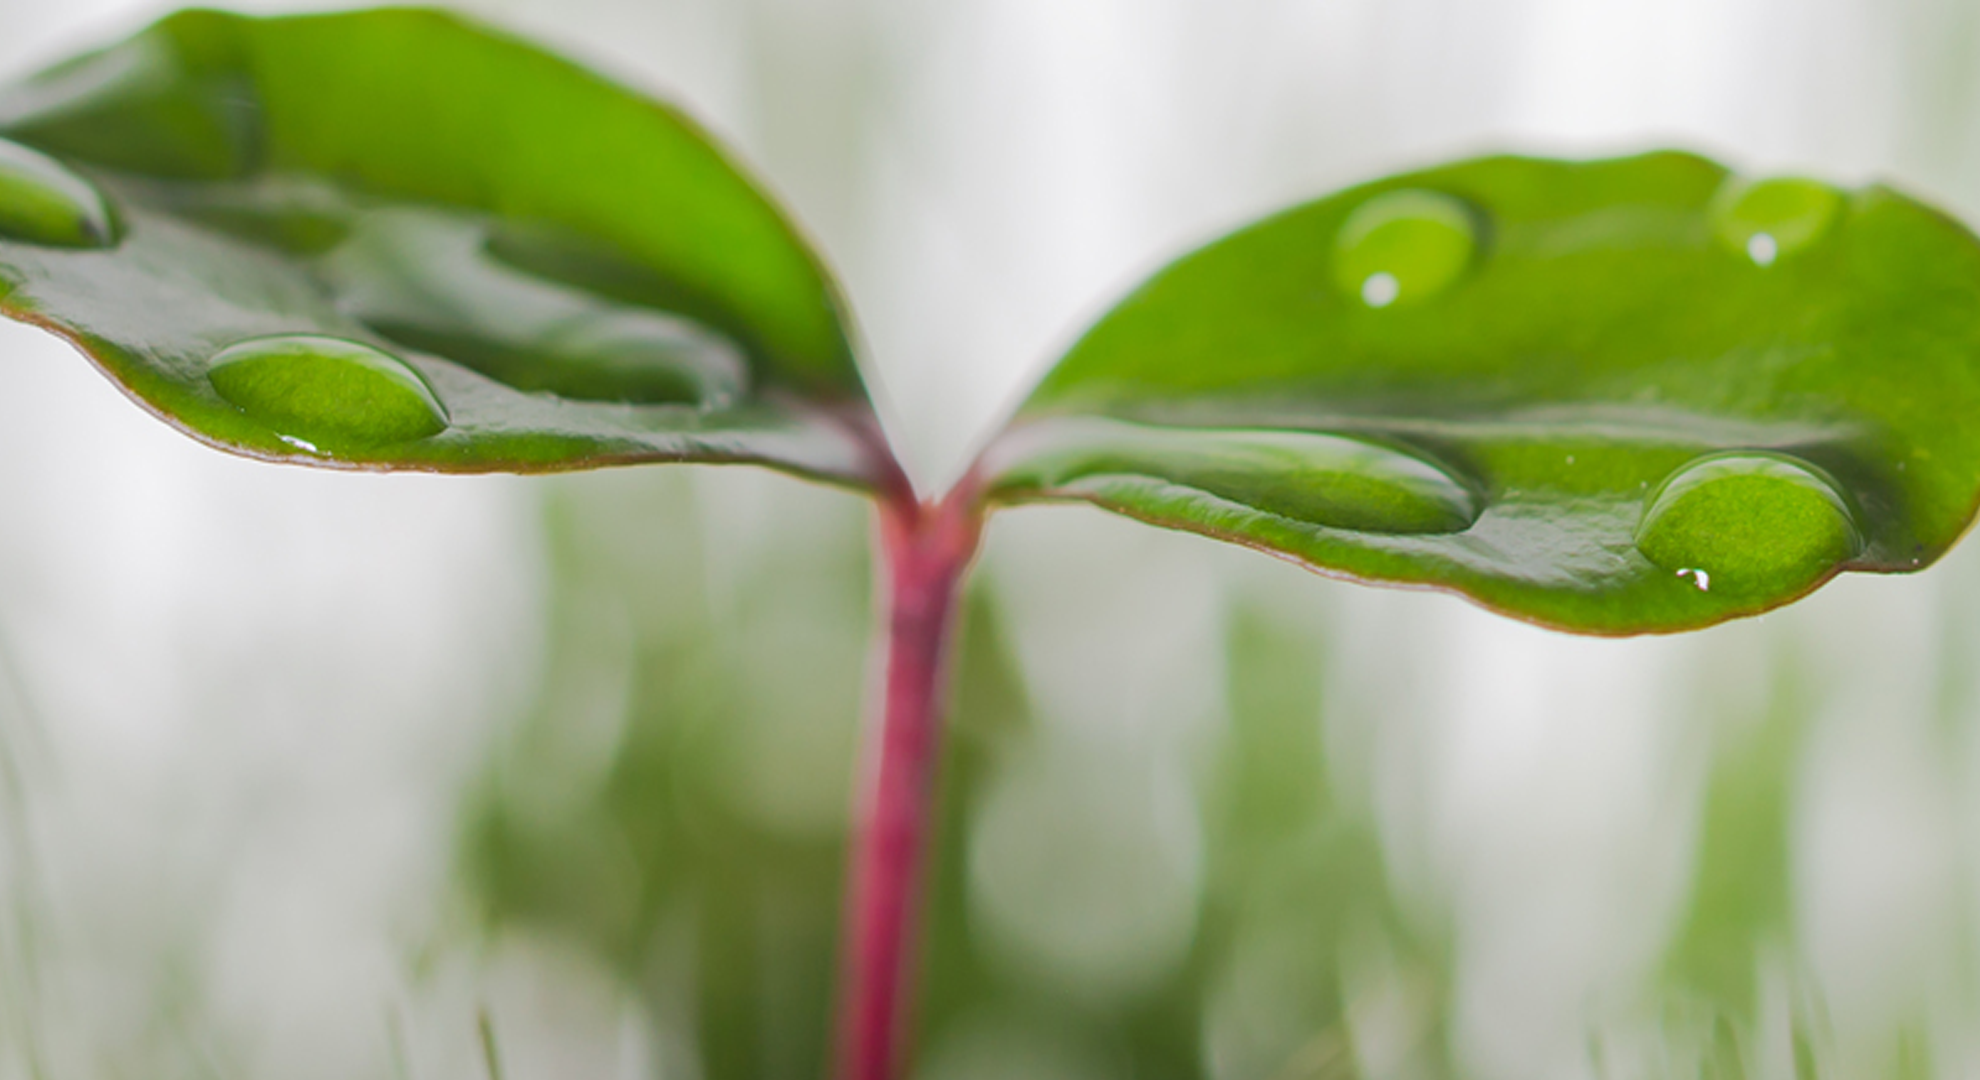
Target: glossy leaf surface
(504, 261)
(1616, 396)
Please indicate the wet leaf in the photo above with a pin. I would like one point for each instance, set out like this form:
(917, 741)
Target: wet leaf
(1615, 396)
(441, 249)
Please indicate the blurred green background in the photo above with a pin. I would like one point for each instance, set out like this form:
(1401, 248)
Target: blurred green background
(311, 775)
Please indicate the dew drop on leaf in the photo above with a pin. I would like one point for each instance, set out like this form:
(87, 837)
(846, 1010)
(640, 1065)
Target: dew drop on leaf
(1318, 479)
(1403, 247)
(429, 283)
(631, 357)
(1749, 523)
(326, 392)
(1339, 483)
(43, 202)
(647, 359)
(1766, 220)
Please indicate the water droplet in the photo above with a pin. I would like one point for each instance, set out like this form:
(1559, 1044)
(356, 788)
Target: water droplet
(1404, 246)
(293, 232)
(293, 214)
(1769, 219)
(328, 392)
(1328, 480)
(1749, 523)
(648, 359)
(630, 357)
(425, 281)
(43, 202)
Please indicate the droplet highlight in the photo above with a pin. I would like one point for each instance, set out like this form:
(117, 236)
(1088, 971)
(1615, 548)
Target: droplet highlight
(1749, 523)
(1334, 481)
(325, 393)
(1403, 247)
(43, 202)
(1381, 289)
(1768, 220)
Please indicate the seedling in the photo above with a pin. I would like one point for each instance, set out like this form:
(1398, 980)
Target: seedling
(1612, 397)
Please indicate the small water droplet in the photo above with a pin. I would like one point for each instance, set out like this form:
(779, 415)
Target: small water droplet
(1328, 480)
(328, 392)
(1404, 246)
(1769, 219)
(43, 202)
(1750, 522)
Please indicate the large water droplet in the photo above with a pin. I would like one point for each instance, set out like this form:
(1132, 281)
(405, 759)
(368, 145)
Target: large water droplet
(291, 213)
(646, 358)
(628, 357)
(43, 202)
(327, 392)
(1328, 480)
(424, 281)
(1404, 246)
(1749, 523)
(1767, 220)
(298, 232)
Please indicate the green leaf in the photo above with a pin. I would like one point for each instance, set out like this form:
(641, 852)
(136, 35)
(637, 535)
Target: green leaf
(393, 239)
(1613, 397)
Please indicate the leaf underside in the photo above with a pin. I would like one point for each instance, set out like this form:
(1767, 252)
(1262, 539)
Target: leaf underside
(562, 273)
(1615, 397)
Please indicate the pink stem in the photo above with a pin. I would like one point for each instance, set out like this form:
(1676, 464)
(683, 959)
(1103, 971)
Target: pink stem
(926, 549)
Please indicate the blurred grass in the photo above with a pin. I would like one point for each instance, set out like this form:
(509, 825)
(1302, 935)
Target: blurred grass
(684, 770)
(22, 912)
(623, 832)
(673, 804)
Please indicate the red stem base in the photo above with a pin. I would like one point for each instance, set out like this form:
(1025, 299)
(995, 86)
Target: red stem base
(926, 549)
